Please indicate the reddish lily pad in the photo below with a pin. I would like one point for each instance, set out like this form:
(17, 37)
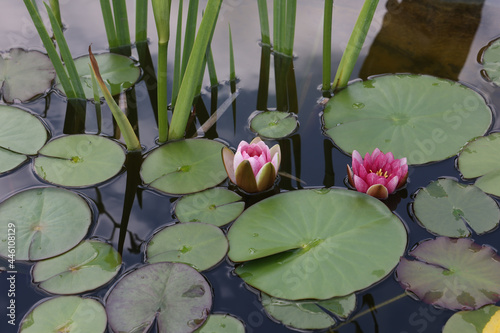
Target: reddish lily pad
(456, 274)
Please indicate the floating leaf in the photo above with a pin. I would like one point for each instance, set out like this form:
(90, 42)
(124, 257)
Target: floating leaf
(484, 320)
(79, 160)
(448, 208)
(118, 72)
(217, 206)
(25, 74)
(274, 124)
(174, 294)
(221, 323)
(481, 158)
(316, 244)
(308, 315)
(47, 222)
(88, 266)
(491, 61)
(65, 314)
(423, 118)
(456, 274)
(184, 166)
(199, 245)
(15, 144)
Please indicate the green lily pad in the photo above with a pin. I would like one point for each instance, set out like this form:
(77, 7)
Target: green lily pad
(447, 208)
(25, 75)
(217, 206)
(79, 160)
(474, 321)
(174, 294)
(491, 62)
(184, 166)
(422, 118)
(456, 274)
(316, 244)
(481, 158)
(199, 245)
(86, 267)
(65, 314)
(221, 323)
(47, 222)
(274, 124)
(14, 143)
(118, 72)
(309, 315)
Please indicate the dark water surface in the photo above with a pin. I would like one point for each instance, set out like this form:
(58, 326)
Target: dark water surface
(441, 38)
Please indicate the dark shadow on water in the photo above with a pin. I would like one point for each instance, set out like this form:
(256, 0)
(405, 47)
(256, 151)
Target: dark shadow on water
(74, 121)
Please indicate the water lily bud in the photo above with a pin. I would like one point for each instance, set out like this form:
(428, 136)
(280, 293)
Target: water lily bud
(254, 167)
(378, 174)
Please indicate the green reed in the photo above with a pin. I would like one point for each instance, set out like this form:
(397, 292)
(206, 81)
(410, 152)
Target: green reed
(327, 45)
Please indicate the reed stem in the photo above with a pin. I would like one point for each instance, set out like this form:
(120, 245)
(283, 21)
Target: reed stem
(327, 45)
(141, 21)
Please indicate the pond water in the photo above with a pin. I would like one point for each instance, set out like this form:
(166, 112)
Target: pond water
(442, 38)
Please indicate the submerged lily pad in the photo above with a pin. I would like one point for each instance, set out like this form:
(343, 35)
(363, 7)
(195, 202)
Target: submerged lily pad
(79, 160)
(25, 74)
(484, 320)
(422, 118)
(448, 208)
(88, 266)
(456, 274)
(65, 314)
(174, 294)
(274, 124)
(15, 143)
(118, 72)
(199, 245)
(47, 222)
(217, 206)
(221, 323)
(491, 61)
(184, 166)
(481, 158)
(316, 244)
(309, 315)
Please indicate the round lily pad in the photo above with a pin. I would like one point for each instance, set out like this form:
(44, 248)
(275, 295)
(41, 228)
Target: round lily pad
(299, 244)
(221, 323)
(448, 208)
(184, 166)
(15, 144)
(88, 266)
(118, 72)
(456, 274)
(481, 158)
(79, 160)
(25, 75)
(309, 315)
(485, 320)
(422, 118)
(217, 206)
(199, 245)
(491, 61)
(274, 124)
(46, 222)
(174, 294)
(65, 314)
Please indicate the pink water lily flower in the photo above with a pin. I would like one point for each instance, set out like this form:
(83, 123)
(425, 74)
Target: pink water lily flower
(254, 167)
(378, 174)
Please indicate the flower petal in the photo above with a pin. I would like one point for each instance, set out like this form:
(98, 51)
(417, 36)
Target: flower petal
(350, 176)
(245, 178)
(392, 184)
(276, 162)
(228, 160)
(265, 177)
(378, 191)
(360, 184)
(276, 150)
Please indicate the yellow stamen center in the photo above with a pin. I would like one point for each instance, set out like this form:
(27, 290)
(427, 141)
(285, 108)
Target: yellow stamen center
(379, 173)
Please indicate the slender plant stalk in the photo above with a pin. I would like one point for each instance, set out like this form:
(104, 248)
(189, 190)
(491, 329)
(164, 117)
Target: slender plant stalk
(51, 49)
(177, 57)
(327, 45)
(212, 73)
(194, 70)
(278, 10)
(54, 4)
(129, 136)
(232, 71)
(121, 22)
(66, 55)
(97, 101)
(141, 21)
(289, 30)
(354, 45)
(190, 34)
(264, 22)
(161, 10)
(109, 23)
